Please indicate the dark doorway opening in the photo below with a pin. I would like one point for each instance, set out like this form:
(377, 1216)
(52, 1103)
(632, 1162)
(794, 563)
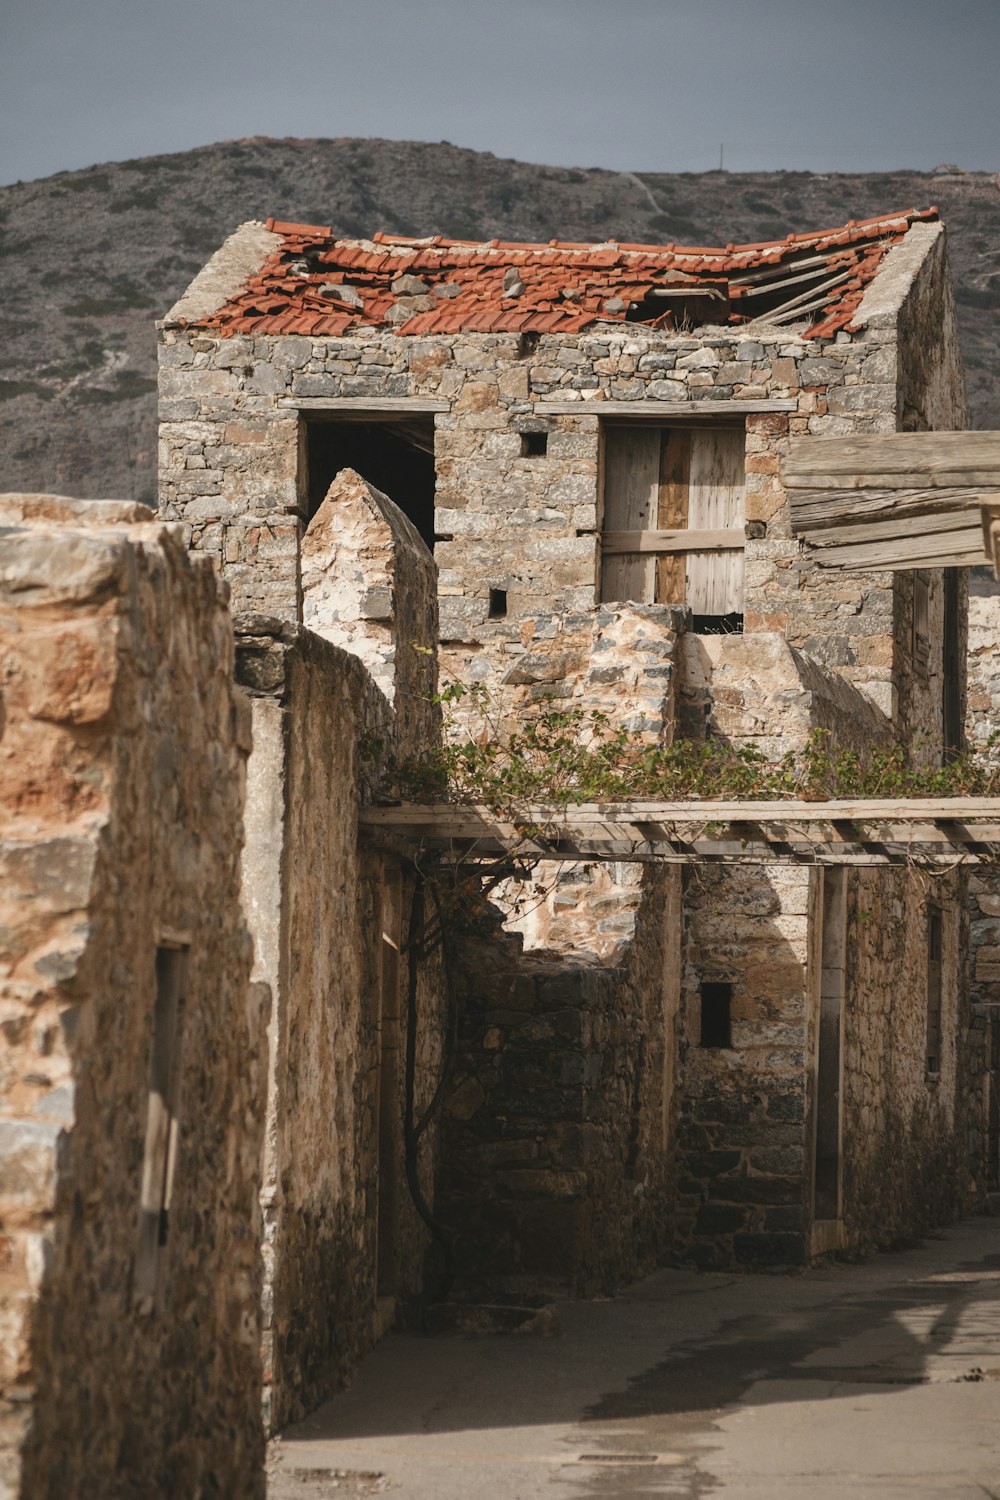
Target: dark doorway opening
(395, 453)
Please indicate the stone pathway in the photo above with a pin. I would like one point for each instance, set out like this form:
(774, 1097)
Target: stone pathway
(879, 1380)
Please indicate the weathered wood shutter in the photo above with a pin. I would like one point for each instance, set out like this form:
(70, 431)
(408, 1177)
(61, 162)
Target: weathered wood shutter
(674, 508)
(716, 502)
(631, 501)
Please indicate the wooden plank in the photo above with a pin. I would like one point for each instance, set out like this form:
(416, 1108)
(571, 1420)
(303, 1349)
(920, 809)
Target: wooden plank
(890, 527)
(657, 410)
(675, 460)
(791, 313)
(563, 834)
(777, 272)
(956, 549)
(631, 501)
(821, 510)
(894, 460)
(724, 540)
(397, 405)
(716, 502)
(981, 811)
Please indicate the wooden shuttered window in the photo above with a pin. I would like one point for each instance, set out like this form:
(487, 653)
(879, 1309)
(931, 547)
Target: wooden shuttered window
(674, 513)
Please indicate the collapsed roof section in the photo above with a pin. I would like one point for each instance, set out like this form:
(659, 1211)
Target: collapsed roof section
(312, 283)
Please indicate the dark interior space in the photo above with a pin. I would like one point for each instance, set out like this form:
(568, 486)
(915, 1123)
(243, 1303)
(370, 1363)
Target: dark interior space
(395, 454)
(731, 624)
(716, 1004)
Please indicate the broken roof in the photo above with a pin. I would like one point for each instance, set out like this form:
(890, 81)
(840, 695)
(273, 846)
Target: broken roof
(313, 283)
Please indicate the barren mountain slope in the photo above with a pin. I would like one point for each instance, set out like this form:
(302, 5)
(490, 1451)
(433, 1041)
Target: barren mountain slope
(90, 258)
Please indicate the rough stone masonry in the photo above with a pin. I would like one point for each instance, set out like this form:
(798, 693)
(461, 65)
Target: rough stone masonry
(515, 404)
(130, 1128)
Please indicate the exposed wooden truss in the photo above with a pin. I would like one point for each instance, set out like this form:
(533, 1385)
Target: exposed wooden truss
(923, 831)
(894, 500)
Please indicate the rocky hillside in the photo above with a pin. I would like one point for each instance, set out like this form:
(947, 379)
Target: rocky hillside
(90, 258)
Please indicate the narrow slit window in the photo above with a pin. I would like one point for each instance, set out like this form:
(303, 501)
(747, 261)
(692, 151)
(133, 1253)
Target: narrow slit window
(534, 444)
(934, 990)
(160, 1152)
(498, 604)
(716, 1014)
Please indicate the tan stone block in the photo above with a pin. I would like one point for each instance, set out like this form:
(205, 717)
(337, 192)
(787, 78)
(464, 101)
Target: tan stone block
(513, 383)
(770, 423)
(762, 463)
(785, 372)
(430, 359)
(874, 650)
(67, 674)
(477, 395)
(239, 433)
(764, 504)
(755, 621)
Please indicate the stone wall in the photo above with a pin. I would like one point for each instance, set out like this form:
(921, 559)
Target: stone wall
(748, 1109)
(527, 525)
(559, 1118)
(618, 661)
(319, 905)
(982, 720)
(369, 585)
(983, 957)
(130, 1366)
(907, 1162)
(518, 549)
(743, 1172)
(760, 691)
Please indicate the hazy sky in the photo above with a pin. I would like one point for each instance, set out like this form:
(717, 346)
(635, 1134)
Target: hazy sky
(830, 85)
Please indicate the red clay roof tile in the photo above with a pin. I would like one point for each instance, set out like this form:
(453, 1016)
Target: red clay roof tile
(279, 300)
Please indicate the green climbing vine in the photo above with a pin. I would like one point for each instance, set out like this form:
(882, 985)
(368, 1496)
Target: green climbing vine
(565, 756)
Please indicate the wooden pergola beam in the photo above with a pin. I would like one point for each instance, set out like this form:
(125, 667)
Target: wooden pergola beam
(866, 832)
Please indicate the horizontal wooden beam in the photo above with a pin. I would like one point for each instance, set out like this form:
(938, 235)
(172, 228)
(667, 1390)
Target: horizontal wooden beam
(894, 460)
(961, 548)
(728, 539)
(896, 526)
(398, 406)
(656, 410)
(869, 832)
(825, 510)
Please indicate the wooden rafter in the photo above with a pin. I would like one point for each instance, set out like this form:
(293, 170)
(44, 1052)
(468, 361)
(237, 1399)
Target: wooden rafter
(923, 831)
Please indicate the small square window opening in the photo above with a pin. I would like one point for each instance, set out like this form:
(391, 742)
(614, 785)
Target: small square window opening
(498, 604)
(534, 444)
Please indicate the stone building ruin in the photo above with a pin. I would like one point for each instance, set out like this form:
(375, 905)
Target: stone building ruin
(553, 471)
(606, 425)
